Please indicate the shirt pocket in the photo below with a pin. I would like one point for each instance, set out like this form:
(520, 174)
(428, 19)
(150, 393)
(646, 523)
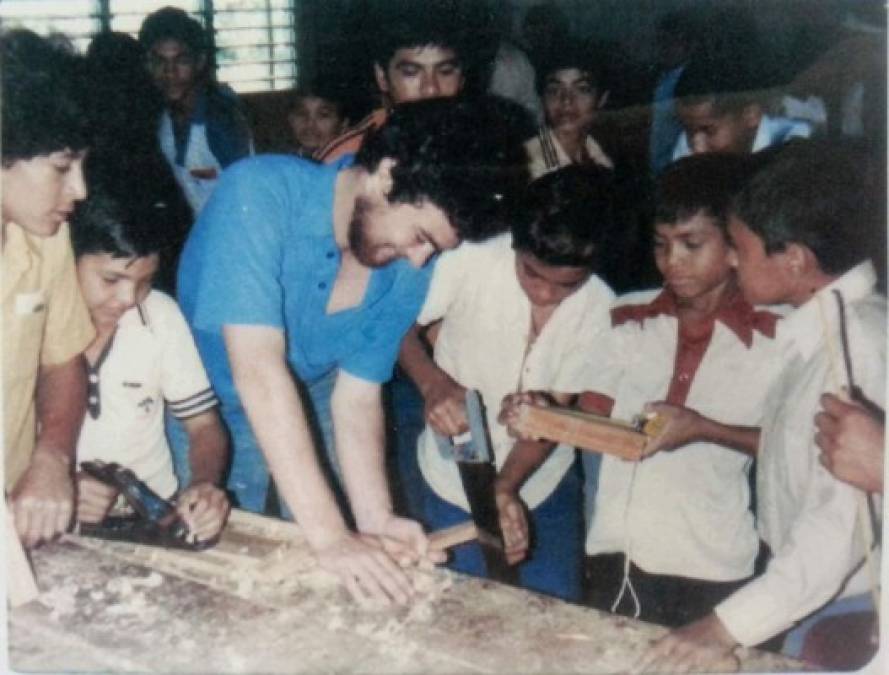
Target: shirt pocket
(24, 337)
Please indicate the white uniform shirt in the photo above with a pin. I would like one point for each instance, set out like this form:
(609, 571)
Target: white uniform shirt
(482, 343)
(546, 154)
(198, 158)
(807, 516)
(771, 131)
(686, 512)
(152, 358)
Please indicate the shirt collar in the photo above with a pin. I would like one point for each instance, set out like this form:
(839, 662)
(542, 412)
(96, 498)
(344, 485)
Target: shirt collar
(806, 325)
(594, 150)
(735, 313)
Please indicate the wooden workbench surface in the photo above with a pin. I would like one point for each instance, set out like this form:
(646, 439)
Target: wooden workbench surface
(257, 604)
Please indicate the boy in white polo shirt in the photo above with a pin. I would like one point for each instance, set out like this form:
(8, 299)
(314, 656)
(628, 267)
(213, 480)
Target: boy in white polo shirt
(517, 313)
(673, 534)
(142, 359)
(805, 229)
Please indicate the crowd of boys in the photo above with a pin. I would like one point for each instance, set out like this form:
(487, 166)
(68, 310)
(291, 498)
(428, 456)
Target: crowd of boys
(437, 235)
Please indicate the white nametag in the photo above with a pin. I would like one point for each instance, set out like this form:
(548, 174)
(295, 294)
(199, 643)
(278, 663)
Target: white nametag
(30, 303)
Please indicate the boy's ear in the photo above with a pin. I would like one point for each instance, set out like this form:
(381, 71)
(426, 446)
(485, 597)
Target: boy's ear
(732, 257)
(801, 261)
(380, 77)
(379, 182)
(752, 115)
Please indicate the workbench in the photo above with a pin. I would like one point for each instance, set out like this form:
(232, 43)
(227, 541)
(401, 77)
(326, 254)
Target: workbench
(258, 603)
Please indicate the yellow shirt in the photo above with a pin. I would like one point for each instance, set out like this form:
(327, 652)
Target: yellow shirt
(45, 322)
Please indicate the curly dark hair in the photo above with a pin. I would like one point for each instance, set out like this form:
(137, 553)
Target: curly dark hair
(702, 184)
(126, 215)
(406, 24)
(463, 155)
(172, 23)
(565, 216)
(44, 107)
(827, 194)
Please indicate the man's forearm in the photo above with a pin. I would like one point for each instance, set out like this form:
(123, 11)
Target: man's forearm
(357, 412)
(61, 404)
(275, 411)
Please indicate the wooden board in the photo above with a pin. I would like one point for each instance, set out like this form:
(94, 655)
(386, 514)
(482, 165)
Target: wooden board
(114, 607)
(584, 431)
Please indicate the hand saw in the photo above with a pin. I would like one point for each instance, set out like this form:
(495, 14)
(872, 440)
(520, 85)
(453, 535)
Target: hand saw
(475, 461)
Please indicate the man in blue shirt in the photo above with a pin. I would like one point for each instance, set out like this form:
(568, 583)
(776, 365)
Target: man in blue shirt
(300, 273)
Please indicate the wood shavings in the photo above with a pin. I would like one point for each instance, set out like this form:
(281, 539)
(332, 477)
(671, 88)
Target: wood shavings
(62, 600)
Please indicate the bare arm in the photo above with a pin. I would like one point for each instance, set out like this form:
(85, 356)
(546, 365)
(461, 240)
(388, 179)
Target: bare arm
(269, 395)
(444, 399)
(42, 500)
(523, 460)
(357, 411)
(203, 505)
(270, 398)
(686, 426)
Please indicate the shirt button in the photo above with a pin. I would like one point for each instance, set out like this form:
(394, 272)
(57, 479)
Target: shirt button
(94, 378)
(330, 254)
(93, 400)
(683, 377)
(322, 285)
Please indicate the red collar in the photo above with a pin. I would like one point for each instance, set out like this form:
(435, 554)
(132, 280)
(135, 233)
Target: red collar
(735, 313)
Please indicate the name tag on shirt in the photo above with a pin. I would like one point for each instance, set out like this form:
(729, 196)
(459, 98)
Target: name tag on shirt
(30, 303)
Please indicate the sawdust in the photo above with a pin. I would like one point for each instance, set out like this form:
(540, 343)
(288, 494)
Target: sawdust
(61, 601)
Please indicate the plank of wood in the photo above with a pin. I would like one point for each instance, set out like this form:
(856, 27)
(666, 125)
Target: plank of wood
(585, 431)
(447, 537)
(21, 585)
(116, 616)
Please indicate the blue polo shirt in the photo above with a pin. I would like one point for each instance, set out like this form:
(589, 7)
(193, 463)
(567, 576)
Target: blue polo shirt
(263, 253)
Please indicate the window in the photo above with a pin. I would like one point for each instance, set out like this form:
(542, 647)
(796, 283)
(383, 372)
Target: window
(254, 40)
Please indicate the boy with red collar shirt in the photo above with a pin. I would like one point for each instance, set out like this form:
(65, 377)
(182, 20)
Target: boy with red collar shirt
(801, 231)
(672, 535)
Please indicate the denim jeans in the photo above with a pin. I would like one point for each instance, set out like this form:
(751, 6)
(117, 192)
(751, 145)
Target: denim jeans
(248, 477)
(554, 561)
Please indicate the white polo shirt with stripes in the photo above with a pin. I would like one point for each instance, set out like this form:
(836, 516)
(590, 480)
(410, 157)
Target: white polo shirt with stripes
(150, 362)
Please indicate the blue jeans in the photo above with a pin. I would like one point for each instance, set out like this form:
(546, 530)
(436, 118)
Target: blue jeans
(796, 638)
(248, 478)
(553, 565)
(406, 423)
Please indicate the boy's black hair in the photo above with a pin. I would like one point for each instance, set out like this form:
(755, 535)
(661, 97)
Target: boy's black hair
(43, 98)
(827, 195)
(572, 53)
(125, 105)
(678, 24)
(729, 83)
(463, 155)
(123, 216)
(172, 23)
(701, 184)
(564, 217)
(332, 93)
(407, 24)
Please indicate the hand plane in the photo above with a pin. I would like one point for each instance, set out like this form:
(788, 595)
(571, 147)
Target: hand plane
(154, 520)
(475, 461)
